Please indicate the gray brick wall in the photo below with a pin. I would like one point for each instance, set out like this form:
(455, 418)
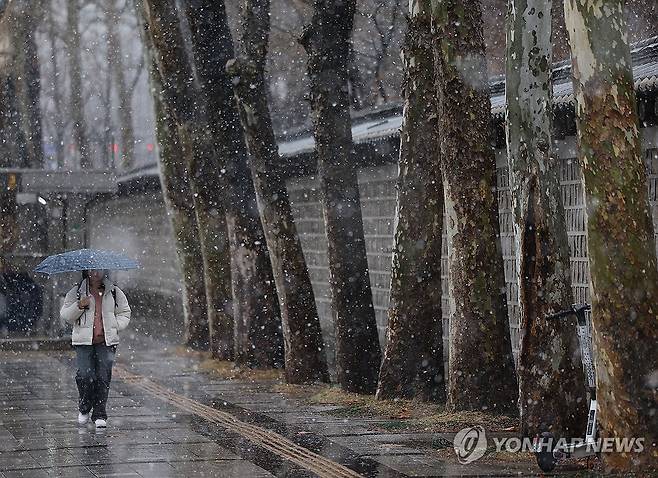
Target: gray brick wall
(138, 225)
(378, 197)
(305, 201)
(572, 188)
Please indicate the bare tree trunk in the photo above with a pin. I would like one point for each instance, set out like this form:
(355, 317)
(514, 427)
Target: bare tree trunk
(413, 359)
(24, 18)
(75, 87)
(214, 236)
(9, 227)
(551, 382)
(127, 132)
(327, 42)
(385, 34)
(359, 98)
(178, 98)
(305, 359)
(10, 155)
(621, 245)
(56, 89)
(207, 141)
(481, 372)
(259, 340)
(178, 198)
(108, 133)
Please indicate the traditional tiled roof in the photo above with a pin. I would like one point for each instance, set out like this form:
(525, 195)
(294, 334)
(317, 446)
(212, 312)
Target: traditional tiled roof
(387, 123)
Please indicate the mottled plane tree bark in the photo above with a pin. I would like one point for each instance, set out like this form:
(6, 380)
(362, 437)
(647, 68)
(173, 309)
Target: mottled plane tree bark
(258, 337)
(327, 42)
(305, 359)
(179, 201)
(551, 381)
(481, 374)
(413, 358)
(621, 244)
(180, 206)
(76, 104)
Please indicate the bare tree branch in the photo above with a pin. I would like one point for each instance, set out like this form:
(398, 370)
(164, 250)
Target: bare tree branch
(139, 68)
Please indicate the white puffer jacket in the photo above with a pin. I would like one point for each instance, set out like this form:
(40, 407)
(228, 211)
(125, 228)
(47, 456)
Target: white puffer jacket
(116, 316)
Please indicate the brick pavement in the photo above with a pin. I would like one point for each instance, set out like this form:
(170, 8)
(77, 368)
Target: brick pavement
(149, 437)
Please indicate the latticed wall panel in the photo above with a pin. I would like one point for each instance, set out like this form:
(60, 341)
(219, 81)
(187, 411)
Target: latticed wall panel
(508, 246)
(571, 182)
(378, 196)
(651, 161)
(573, 198)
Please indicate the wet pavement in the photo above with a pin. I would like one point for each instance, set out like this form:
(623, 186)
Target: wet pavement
(167, 419)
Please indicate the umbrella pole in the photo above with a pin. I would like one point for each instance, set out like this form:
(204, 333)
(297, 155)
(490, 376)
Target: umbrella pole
(86, 295)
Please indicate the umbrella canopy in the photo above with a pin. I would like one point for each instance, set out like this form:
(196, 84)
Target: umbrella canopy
(85, 259)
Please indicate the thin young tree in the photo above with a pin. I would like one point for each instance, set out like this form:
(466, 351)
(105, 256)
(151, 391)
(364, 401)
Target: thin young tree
(9, 225)
(305, 359)
(76, 104)
(621, 244)
(117, 71)
(413, 358)
(551, 381)
(56, 86)
(481, 374)
(9, 156)
(327, 41)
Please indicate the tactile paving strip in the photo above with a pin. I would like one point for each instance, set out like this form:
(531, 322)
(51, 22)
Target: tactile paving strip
(265, 438)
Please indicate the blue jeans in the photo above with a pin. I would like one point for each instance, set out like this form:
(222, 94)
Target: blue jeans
(93, 377)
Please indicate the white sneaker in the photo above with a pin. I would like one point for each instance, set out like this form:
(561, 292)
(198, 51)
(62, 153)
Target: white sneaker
(82, 418)
(100, 423)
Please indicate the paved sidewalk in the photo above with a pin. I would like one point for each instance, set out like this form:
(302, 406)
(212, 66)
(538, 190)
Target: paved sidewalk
(167, 419)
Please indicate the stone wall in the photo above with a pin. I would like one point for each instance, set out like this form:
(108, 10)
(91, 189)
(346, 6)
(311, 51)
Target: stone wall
(378, 208)
(573, 197)
(378, 195)
(138, 225)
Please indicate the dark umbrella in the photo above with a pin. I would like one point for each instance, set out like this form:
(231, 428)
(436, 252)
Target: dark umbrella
(85, 260)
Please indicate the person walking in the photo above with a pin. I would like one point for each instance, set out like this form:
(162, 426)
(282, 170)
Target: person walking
(97, 309)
